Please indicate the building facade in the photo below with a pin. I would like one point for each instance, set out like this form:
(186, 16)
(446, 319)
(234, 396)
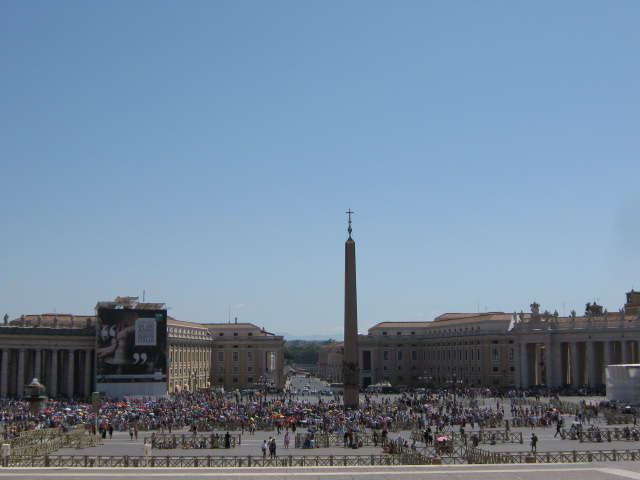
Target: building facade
(59, 350)
(496, 349)
(245, 357)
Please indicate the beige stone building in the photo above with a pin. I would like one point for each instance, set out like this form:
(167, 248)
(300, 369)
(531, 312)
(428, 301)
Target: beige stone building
(496, 349)
(59, 349)
(245, 356)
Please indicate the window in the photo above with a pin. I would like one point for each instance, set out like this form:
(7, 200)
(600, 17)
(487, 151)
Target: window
(511, 354)
(400, 368)
(496, 369)
(385, 367)
(385, 355)
(221, 357)
(249, 356)
(494, 354)
(221, 334)
(414, 355)
(235, 356)
(235, 369)
(400, 355)
(249, 369)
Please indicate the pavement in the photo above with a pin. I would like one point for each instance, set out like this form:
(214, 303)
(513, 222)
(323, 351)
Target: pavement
(121, 445)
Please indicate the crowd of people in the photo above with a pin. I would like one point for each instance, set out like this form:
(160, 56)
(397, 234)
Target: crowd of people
(434, 411)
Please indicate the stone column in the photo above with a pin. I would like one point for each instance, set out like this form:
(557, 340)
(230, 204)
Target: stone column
(70, 373)
(20, 379)
(53, 389)
(37, 368)
(524, 365)
(594, 375)
(607, 353)
(87, 372)
(554, 365)
(624, 351)
(576, 376)
(4, 373)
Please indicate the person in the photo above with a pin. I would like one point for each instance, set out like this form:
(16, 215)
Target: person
(558, 427)
(264, 448)
(400, 442)
(131, 433)
(272, 447)
(534, 442)
(375, 439)
(287, 439)
(227, 440)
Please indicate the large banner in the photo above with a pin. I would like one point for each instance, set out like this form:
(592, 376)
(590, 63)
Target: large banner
(131, 346)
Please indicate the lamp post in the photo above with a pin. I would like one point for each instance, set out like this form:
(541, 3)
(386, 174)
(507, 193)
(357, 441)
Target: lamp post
(454, 382)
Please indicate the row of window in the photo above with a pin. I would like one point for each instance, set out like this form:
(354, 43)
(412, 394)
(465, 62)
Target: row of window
(438, 332)
(446, 355)
(235, 356)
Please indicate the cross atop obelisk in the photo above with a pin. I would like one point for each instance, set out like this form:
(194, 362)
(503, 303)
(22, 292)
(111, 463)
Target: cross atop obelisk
(349, 229)
(350, 364)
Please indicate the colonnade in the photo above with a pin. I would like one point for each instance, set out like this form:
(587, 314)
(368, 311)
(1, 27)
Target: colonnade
(579, 362)
(62, 371)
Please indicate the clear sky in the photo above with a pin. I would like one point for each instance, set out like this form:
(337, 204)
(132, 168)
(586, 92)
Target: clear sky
(206, 153)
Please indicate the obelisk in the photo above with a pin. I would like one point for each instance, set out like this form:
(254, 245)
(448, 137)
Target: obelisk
(350, 367)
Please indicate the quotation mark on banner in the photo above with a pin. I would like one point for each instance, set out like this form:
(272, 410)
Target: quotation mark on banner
(140, 358)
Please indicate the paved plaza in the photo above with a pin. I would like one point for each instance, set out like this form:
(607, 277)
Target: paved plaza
(121, 445)
(250, 445)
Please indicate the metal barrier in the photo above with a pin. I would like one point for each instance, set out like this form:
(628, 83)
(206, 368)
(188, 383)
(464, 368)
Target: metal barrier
(479, 456)
(324, 440)
(490, 437)
(165, 441)
(51, 442)
(209, 461)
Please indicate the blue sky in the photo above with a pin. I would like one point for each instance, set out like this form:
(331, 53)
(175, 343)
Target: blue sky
(205, 153)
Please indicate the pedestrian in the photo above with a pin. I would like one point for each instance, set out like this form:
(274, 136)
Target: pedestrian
(264, 448)
(135, 431)
(558, 427)
(534, 442)
(227, 440)
(272, 447)
(287, 439)
(131, 433)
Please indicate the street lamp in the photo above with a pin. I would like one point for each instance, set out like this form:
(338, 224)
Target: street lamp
(454, 383)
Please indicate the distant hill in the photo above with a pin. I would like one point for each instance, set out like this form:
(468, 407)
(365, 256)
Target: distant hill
(311, 338)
